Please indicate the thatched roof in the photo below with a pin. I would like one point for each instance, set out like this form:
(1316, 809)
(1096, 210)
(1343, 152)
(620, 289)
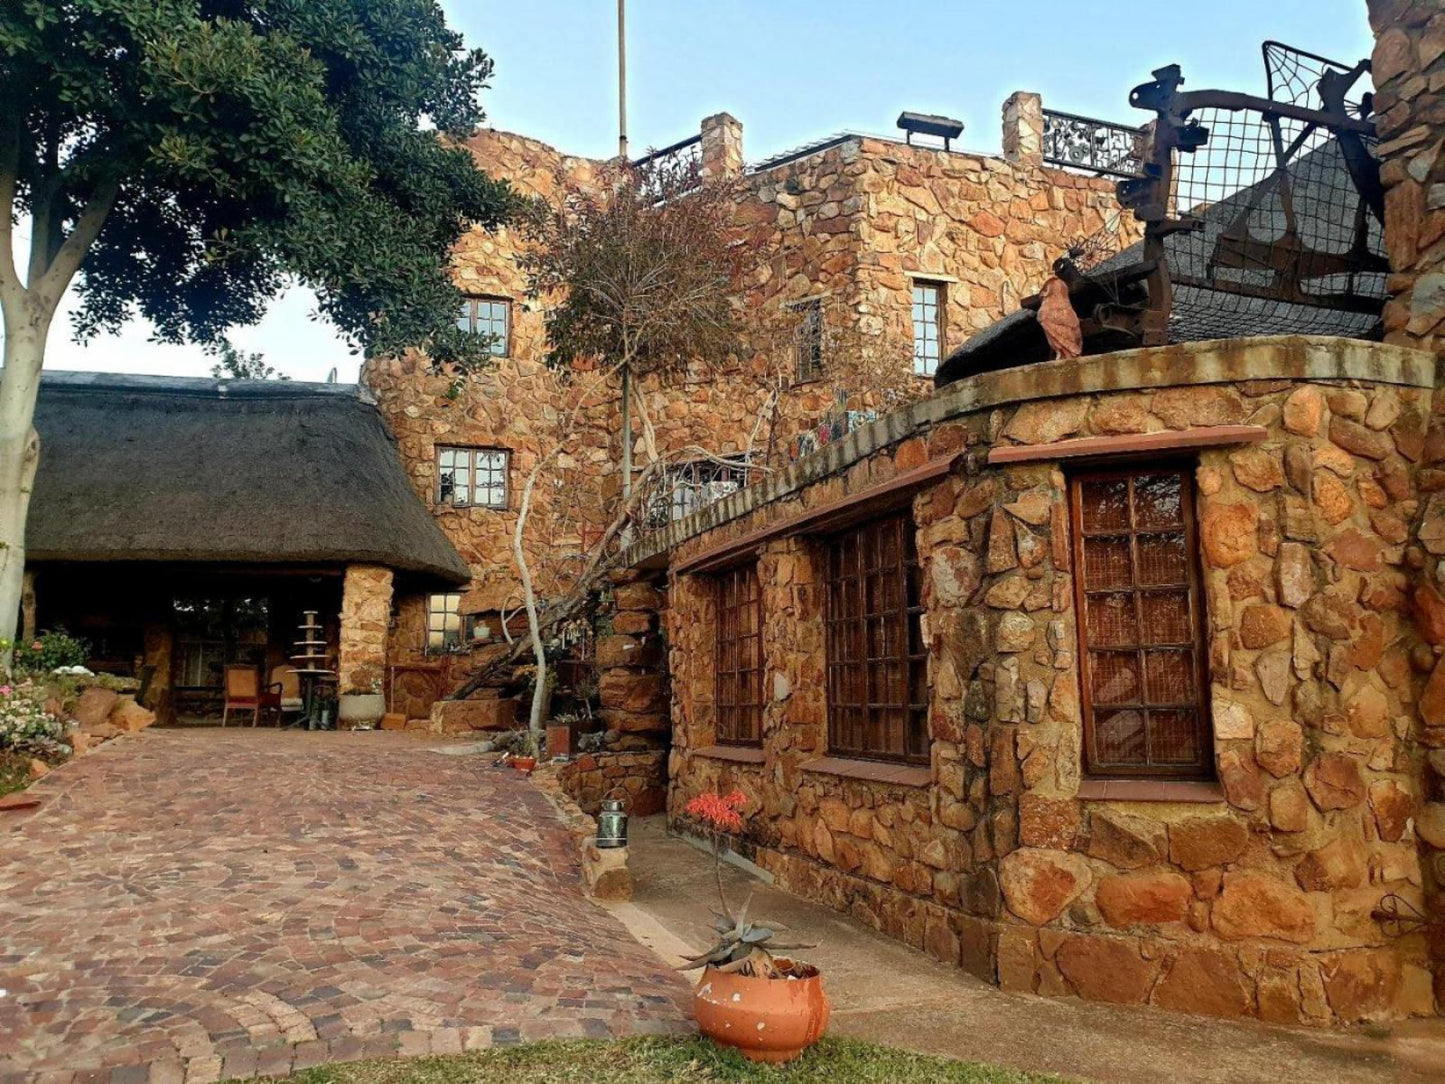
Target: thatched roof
(199, 470)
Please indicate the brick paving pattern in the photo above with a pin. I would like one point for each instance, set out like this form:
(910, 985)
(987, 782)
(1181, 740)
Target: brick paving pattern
(190, 906)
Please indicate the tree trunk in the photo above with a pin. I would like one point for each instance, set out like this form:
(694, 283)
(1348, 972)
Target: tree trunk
(534, 620)
(19, 456)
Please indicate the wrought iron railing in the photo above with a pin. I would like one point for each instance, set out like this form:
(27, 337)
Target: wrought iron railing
(1099, 146)
(684, 488)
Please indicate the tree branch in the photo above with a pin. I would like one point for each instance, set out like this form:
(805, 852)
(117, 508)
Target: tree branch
(87, 228)
(10, 286)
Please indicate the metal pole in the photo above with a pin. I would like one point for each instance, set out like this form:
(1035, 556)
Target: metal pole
(622, 79)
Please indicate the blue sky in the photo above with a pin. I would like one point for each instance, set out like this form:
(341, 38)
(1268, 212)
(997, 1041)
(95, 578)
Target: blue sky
(793, 71)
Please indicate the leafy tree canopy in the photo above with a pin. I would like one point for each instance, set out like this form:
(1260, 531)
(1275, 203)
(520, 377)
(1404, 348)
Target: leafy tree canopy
(232, 146)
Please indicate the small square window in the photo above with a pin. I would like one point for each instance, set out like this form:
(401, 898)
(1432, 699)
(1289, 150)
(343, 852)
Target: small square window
(927, 327)
(468, 477)
(443, 622)
(489, 316)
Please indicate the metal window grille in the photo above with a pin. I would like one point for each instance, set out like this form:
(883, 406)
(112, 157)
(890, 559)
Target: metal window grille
(877, 677)
(443, 622)
(472, 477)
(927, 327)
(686, 487)
(739, 700)
(1140, 620)
(808, 340)
(489, 316)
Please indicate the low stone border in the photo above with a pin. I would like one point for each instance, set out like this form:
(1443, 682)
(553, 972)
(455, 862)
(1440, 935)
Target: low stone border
(604, 872)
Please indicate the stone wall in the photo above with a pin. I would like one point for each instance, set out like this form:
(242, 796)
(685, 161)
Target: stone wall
(632, 674)
(1253, 897)
(638, 778)
(848, 224)
(365, 615)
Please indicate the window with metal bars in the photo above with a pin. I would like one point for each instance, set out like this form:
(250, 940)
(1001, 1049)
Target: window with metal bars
(472, 476)
(1140, 617)
(489, 316)
(443, 622)
(877, 678)
(739, 701)
(808, 340)
(927, 327)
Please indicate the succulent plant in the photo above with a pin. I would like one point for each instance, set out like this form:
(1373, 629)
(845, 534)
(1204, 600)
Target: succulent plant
(741, 946)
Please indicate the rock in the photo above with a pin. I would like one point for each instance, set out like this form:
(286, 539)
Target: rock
(1362, 985)
(1329, 616)
(1262, 625)
(1335, 460)
(1256, 469)
(1229, 533)
(1393, 807)
(1045, 421)
(1240, 777)
(1038, 884)
(1272, 668)
(1008, 593)
(1001, 553)
(1048, 822)
(1201, 404)
(129, 716)
(638, 596)
(1294, 574)
(1289, 807)
(1334, 782)
(1120, 414)
(1279, 745)
(94, 705)
(1429, 612)
(1368, 713)
(1131, 899)
(1032, 506)
(1354, 549)
(632, 622)
(1332, 498)
(1016, 632)
(625, 690)
(1304, 411)
(1340, 863)
(976, 498)
(1253, 904)
(1232, 720)
(1355, 438)
(1105, 969)
(393, 720)
(1205, 981)
(1201, 842)
(37, 769)
(1430, 824)
(966, 640)
(1126, 841)
(1431, 704)
(956, 575)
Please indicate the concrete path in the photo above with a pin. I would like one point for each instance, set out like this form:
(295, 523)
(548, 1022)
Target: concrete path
(191, 905)
(883, 991)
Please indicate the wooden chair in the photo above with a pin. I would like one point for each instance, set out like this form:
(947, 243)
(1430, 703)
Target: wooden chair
(283, 693)
(242, 687)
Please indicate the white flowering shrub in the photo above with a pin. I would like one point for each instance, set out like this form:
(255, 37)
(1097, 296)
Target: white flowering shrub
(25, 726)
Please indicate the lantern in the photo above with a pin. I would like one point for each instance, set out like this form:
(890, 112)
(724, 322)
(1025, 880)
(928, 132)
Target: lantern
(611, 824)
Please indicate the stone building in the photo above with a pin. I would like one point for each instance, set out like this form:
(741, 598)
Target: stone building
(898, 251)
(1115, 676)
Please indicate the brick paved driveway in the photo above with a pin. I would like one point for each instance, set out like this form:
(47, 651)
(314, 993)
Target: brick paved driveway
(188, 905)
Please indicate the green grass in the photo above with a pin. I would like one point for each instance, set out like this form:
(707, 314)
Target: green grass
(662, 1061)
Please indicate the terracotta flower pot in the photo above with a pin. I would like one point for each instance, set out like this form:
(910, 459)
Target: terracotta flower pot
(524, 764)
(771, 1020)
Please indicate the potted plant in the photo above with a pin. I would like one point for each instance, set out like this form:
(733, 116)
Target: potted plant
(361, 706)
(770, 1008)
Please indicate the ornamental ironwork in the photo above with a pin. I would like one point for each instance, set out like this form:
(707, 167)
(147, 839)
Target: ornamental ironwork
(1099, 146)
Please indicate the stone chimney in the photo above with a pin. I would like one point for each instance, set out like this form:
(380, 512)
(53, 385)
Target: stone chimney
(1409, 74)
(722, 146)
(1023, 129)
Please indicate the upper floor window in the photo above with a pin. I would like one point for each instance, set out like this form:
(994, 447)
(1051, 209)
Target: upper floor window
(927, 326)
(489, 316)
(443, 622)
(808, 340)
(686, 487)
(877, 679)
(472, 476)
(1140, 623)
(739, 700)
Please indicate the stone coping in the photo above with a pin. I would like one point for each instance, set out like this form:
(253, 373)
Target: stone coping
(873, 771)
(1217, 361)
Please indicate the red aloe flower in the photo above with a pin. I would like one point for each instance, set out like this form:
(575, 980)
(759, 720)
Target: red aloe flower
(718, 812)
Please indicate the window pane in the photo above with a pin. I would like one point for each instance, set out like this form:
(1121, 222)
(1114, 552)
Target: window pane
(738, 660)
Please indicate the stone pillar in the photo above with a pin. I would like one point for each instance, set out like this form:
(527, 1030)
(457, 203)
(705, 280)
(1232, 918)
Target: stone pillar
(1023, 129)
(632, 673)
(722, 146)
(1409, 74)
(365, 614)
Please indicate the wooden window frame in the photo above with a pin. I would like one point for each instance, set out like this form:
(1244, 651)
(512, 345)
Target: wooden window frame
(447, 610)
(808, 340)
(924, 367)
(471, 314)
(738, 658)
(859, 704)
(1202, 770)
(472, 454)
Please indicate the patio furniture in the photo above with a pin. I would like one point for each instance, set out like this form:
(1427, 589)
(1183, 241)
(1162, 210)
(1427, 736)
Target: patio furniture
(283, 694)
(309, 670)
(242, 689)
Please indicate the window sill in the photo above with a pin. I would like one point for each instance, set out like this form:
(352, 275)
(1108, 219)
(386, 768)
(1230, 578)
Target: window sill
(738, 754)
(873, 771)
(1150, 790)
(1205, 436)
